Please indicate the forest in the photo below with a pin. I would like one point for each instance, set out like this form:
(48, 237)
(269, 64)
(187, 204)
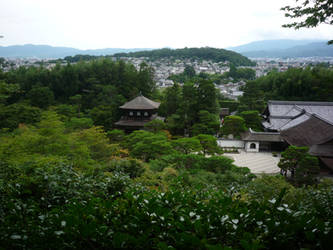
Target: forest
(69, 179)
(205, 53)
(297, 84)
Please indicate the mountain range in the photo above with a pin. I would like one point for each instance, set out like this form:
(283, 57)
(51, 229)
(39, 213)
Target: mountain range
(282, 48)
(46, 51)
(285, 49)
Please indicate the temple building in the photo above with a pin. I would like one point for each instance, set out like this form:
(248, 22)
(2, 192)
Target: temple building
(137, 112)
(303, 124)
(296, 123)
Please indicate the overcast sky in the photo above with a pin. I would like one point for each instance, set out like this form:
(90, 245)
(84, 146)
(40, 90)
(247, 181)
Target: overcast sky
(96, 24)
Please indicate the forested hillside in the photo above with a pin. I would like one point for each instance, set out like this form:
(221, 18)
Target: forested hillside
(95, 89)
(296, 84)
(206, 53)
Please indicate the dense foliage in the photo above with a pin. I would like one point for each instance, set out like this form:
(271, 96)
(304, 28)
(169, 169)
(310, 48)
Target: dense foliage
(309, 14)
(67, 183)
(206, 53)
(296, 84)
(94, 89)
(191, 109)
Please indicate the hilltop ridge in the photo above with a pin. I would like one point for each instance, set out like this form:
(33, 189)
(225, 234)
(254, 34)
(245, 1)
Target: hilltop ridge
(204, 53)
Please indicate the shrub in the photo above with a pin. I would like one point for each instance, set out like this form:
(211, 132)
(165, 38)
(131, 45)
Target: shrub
(132, 167)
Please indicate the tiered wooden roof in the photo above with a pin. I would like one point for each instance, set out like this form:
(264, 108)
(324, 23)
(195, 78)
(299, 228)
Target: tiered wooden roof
(137, 113)
(140, 103)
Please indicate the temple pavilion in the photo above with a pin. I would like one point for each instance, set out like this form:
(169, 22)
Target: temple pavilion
(137, 112)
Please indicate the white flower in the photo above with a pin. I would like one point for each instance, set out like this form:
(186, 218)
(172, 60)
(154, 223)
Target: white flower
(224, 218)
(235, 221)
(15, 237)
(192, 214)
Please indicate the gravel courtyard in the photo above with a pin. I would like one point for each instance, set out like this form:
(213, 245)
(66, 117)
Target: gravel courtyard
(258, 163)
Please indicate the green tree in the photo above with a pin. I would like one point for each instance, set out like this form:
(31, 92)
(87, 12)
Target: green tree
(252, 119)
(77, 101)
(103, 116)
(145, 77)
(206, 97)
(208, 124)
(79, 123)
(189, 71)
(116, 135)
(253, 97)
(95, 138)
(309, 14)
(155, 125)
(147, 145)
(13, 115)
(41, 97)
(171, 101)
(208, 144)
(187, 145)
(176, 124)
(7, 91)
(233, 125)
(301, 166)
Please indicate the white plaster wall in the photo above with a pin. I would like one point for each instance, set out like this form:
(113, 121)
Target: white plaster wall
(248, 144)
(230, 143)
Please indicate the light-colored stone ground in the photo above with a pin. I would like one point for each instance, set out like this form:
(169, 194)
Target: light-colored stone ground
(257, 162)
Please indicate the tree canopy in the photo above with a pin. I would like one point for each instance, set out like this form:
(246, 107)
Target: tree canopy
(310, 14)
(206, 53)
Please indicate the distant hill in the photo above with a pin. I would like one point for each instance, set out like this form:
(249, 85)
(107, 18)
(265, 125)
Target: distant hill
(46, 51)
(206, 53)
(285, 48)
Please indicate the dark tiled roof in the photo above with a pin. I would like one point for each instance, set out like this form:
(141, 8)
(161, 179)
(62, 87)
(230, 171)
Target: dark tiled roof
(302, 103)
(281, 113)
(328, 162)
(141, 103)
(297, 120)
(282, 108)
(315, 130)
(325, 149)
(261, 136)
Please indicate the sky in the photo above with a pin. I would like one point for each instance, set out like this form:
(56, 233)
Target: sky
(97, 24)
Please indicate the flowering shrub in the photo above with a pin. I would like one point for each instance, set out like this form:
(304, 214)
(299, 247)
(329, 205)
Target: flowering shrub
(111, 213)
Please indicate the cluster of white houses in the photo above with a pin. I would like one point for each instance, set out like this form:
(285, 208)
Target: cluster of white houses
(285, 123)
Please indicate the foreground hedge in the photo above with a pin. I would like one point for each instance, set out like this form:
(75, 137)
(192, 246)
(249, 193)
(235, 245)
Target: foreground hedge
(191, 219)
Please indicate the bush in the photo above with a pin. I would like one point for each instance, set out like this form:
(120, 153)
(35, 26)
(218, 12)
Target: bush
(188, 219)
(132, 167)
